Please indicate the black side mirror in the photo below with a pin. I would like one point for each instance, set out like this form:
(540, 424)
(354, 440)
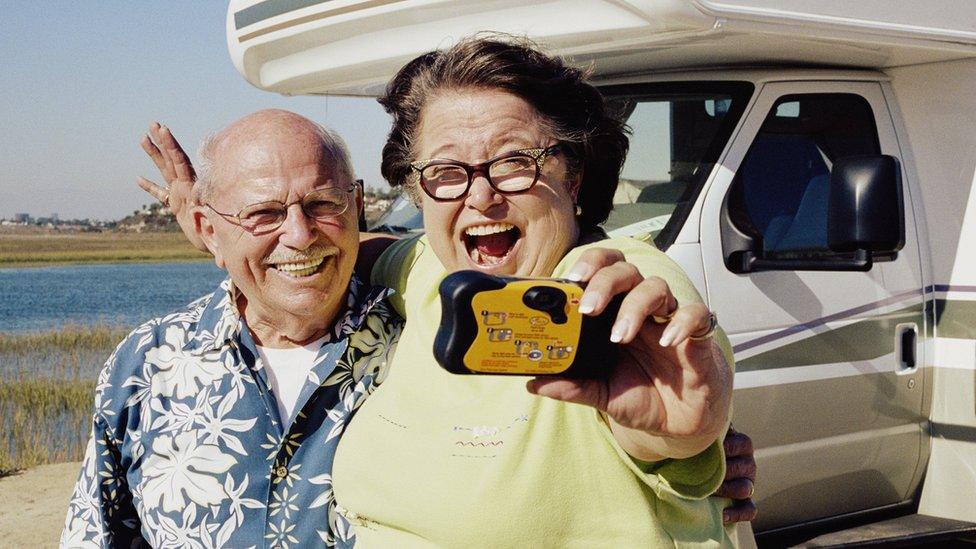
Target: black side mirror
(866, 205)
(865, 222)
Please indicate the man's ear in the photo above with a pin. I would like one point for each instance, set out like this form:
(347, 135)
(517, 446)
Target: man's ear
(205, 230)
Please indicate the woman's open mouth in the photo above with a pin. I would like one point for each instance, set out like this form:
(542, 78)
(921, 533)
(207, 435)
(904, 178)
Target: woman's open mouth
(489, 245)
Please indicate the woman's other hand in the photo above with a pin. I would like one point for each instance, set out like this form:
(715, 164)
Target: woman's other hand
(177, 170)
(669, 394)
(740, 478)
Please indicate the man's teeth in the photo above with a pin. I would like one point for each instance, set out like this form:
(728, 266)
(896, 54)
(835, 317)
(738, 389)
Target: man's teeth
(482, 230)
(300, 268)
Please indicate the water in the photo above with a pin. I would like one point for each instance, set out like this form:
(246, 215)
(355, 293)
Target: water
(118, 294)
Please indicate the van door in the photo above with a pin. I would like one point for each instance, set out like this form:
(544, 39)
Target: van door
(826, 384)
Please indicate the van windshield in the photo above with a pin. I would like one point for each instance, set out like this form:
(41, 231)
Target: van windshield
(679, 129)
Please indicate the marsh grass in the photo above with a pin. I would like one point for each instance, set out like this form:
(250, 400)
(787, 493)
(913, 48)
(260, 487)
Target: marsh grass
(68, 338)
(31, 250)
(47, 384)
(43, 421)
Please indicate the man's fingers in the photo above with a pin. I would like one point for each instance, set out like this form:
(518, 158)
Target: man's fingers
(158, 192)
(181, 162)
(591, 261)
(737, 488)
(151, 149)
(739, 511)
(738, 444)
(740, 467)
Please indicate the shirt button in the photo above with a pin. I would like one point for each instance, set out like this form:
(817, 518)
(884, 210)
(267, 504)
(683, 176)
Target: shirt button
(281, 472)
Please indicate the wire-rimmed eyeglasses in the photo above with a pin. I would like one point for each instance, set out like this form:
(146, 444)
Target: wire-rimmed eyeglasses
(263, 217)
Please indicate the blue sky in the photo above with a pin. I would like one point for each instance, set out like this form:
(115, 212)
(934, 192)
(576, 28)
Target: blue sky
(83, 80)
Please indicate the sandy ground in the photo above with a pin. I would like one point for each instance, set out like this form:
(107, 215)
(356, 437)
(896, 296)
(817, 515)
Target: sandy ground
(33, 505)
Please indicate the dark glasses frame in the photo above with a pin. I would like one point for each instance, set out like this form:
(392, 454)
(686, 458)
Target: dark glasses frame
(539, 155)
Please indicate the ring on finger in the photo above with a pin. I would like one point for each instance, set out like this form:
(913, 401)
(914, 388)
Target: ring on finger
(709, 331)
(667, 317)
(165, 200)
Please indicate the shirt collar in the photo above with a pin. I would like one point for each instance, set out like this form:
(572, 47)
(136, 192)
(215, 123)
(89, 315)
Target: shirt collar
(220, 322)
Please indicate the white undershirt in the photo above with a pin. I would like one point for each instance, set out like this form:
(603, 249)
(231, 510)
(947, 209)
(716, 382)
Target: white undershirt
(287, 371)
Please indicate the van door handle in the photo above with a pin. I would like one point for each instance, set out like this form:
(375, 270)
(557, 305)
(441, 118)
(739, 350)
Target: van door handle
(906, 338)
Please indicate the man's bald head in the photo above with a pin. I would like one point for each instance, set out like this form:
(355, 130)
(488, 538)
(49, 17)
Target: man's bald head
(244, 137)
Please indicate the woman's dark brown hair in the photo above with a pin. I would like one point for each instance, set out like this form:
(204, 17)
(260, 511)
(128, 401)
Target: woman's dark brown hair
(573, 110)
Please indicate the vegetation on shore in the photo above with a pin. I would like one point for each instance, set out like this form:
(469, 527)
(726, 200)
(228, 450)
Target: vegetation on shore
(43, 421)
(66, 339)
(39, 249)
(47, 384)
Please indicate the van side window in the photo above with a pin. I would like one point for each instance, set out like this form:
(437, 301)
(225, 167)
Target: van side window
(780, 192)
(679, 130)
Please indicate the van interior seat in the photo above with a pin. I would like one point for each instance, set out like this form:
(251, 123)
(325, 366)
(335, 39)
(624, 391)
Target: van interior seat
(785, 187)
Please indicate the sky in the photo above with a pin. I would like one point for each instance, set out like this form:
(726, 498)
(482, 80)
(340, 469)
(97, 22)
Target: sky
(81, 82)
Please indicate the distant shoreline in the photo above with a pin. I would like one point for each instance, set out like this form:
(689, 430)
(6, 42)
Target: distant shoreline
(108, 261)
(46, 249)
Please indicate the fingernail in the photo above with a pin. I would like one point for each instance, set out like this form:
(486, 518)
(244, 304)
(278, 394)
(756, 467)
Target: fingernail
(668, 336)
(619, 329)
(577, 273)
(588, 303)
(726, 517)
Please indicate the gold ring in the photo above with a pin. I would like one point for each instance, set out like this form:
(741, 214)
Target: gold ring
(666, 318)
(752, 489)
(165, 200)
(709, 332)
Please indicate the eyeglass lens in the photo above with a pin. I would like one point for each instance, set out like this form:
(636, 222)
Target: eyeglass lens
(507, 175)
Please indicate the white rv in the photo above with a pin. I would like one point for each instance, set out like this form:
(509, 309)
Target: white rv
(810, 164)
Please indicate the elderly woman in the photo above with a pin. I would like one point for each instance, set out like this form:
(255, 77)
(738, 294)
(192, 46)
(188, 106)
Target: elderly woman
(514, 161)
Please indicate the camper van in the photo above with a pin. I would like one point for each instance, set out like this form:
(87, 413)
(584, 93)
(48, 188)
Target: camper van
(810, 164)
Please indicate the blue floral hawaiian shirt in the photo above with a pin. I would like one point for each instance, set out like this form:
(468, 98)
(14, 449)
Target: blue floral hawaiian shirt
(187, 446)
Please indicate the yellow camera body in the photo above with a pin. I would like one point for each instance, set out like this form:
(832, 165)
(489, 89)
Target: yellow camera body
(521, 326)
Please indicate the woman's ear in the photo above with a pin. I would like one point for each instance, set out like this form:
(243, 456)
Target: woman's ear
(205, 230)
(575, 184)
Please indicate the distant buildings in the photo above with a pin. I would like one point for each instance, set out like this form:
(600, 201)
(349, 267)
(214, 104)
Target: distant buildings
(156, 217)
(54, 222)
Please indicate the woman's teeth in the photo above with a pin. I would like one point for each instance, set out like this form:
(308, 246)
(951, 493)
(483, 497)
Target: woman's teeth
(493, 228)
(300, 268)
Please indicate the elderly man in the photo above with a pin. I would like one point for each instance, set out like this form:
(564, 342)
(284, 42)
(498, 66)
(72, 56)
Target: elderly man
(216, 425)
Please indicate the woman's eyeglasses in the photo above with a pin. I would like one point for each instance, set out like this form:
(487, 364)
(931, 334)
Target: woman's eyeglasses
(508, 173)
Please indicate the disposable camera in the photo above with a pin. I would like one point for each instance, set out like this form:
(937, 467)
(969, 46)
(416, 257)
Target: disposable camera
(496, 325)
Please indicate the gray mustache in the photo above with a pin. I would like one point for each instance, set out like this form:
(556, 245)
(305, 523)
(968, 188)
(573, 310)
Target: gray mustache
(313, 253)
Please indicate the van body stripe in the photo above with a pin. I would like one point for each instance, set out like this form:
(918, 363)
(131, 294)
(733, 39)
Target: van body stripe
(746, 345)
(268, 9)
